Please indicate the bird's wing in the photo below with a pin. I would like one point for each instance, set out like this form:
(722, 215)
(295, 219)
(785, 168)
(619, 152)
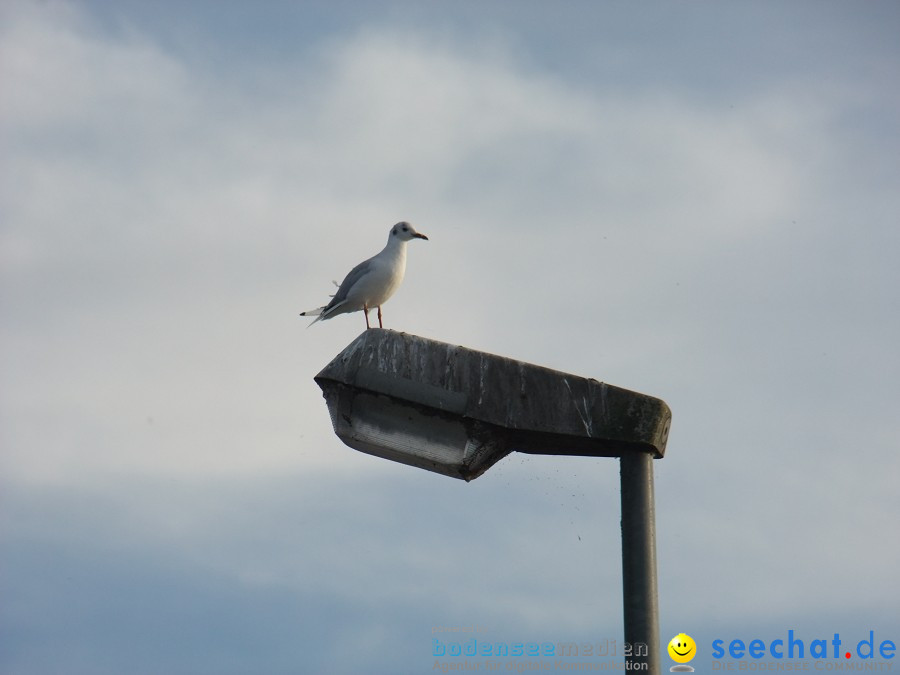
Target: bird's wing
(349, 282)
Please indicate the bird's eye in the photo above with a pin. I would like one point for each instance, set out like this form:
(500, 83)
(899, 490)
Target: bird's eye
(405, 229)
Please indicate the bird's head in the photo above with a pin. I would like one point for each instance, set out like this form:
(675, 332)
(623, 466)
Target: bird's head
(404, 232)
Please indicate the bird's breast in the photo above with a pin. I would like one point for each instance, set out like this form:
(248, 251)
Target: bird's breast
(382, 281)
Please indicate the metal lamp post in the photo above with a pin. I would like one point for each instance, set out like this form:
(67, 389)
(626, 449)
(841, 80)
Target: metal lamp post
(457, 412)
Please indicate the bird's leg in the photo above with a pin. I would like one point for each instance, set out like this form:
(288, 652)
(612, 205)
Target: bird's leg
(380, 325)
(366, 311)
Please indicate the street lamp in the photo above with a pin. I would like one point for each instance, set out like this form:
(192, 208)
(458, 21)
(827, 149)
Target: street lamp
(457, 412)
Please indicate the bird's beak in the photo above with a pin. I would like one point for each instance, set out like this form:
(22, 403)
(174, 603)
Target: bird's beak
(419, 235)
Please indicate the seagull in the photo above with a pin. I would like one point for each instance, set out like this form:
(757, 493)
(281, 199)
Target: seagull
(373, 281)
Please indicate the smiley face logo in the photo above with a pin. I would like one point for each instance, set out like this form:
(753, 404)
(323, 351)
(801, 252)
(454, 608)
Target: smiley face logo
(682, 648)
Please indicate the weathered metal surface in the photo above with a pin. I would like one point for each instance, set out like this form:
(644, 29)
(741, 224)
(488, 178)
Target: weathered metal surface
(517, 406)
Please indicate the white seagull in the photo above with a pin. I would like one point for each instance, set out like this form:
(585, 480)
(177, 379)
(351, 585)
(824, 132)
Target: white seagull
(373, 281)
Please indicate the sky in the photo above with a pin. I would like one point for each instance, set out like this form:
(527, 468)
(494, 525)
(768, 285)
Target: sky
(697, 201)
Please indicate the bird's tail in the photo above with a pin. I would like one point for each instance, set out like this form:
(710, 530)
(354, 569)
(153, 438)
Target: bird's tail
(319, 312)
(314, 312)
